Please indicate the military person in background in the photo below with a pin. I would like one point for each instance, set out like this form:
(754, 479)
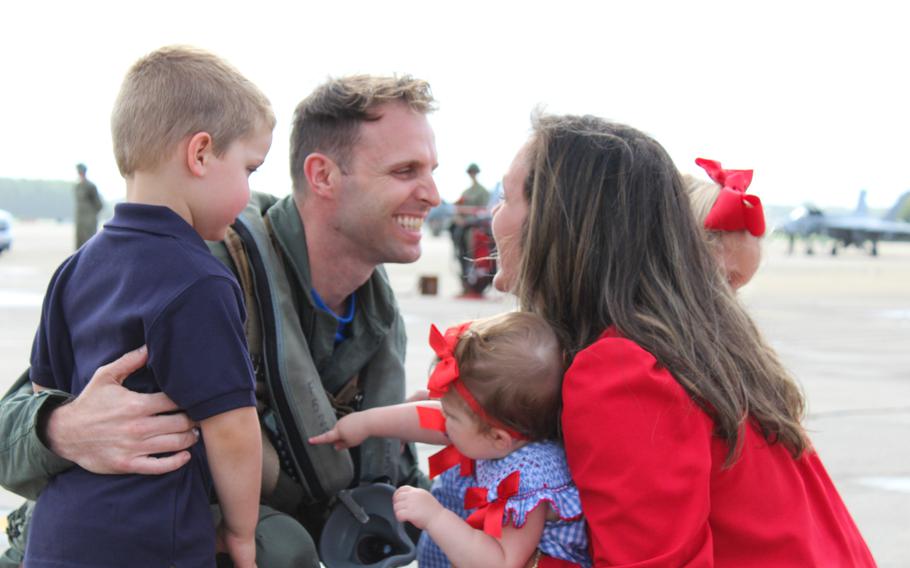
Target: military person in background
(471, 201)
(88, 205)
(476, 195)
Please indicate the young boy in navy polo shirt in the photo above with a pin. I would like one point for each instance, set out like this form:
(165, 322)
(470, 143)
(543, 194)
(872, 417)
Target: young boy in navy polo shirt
(188, 130)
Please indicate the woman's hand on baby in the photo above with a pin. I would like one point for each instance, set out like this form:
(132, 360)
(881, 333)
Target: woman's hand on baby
(417, 506)
(350, 431)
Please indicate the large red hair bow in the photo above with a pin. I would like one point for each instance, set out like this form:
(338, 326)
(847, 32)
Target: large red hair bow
(733, 210)
(489, 514)
(446, 370)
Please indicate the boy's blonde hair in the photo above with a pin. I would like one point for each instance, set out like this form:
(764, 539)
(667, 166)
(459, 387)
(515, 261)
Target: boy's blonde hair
(513, 365)
(175, 92)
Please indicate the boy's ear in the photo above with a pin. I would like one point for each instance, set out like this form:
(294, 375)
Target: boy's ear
(199, 152)
(322, 174)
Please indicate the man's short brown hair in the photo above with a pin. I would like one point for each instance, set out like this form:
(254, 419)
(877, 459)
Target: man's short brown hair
(175, 92)
(328, 121)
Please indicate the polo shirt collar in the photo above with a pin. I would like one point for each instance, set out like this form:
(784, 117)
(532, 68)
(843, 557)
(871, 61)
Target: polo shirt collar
(154, 219)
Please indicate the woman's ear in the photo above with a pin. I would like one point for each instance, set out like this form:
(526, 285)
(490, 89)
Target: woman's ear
(199, 151)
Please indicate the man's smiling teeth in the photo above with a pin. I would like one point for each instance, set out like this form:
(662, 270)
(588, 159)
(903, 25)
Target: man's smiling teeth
(409, 223)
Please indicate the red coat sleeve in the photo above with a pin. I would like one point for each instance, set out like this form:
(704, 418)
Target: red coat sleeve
(640, 452)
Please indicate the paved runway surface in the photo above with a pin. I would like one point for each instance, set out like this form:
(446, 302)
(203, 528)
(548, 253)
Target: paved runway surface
(842, 325)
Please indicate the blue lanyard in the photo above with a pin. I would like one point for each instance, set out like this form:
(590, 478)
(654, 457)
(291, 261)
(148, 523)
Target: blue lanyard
(343, 321)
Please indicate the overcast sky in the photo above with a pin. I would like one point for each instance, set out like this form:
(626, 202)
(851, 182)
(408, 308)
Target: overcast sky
(812, 95)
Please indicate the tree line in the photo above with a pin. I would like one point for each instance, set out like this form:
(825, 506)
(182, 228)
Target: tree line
(37, 199)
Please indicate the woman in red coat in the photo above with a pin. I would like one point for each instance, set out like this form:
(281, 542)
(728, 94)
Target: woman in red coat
(682, 428)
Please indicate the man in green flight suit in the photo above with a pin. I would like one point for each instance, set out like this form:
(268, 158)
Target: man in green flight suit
(472, 200)
(362, 161)
(88, 205)
(476, 195)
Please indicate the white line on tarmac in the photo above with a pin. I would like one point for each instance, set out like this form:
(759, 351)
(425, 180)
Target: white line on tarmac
(896, 314)
(899, 484)
(20, 299)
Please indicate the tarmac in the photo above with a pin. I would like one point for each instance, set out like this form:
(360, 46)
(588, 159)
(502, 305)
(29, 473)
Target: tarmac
(840, 324)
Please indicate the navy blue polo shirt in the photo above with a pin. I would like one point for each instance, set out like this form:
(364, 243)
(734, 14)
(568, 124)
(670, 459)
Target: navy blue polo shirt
(148, 278)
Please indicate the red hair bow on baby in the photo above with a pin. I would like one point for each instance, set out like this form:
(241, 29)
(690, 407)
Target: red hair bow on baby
(488, 517)
(733, 210)
(446, 370)
(444, 375)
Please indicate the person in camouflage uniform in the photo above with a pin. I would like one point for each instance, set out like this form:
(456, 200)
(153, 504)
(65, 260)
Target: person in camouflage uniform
(472, 199)
(88, 205)
(476, 195)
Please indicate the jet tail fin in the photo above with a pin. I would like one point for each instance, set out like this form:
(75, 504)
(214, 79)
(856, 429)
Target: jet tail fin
(861, 207)
(900, 211)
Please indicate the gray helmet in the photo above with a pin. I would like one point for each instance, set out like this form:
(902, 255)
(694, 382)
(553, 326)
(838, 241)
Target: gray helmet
(473, 169)
(362, 531)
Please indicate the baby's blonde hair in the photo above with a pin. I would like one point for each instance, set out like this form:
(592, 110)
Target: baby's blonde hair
(175, 92)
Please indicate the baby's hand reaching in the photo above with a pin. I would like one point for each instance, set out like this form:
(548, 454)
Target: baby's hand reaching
(350, 431)
(415, 505)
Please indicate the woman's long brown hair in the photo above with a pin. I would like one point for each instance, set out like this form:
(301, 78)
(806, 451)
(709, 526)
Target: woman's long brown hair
(610, 240)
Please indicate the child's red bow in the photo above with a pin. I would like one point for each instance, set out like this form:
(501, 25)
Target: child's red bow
(446, 370)
(488, 517)
(733, 210)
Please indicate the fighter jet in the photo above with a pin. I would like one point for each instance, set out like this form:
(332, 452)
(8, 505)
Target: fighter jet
(855, 229)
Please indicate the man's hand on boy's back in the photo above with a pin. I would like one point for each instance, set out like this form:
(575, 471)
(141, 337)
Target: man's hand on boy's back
(109, 429)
